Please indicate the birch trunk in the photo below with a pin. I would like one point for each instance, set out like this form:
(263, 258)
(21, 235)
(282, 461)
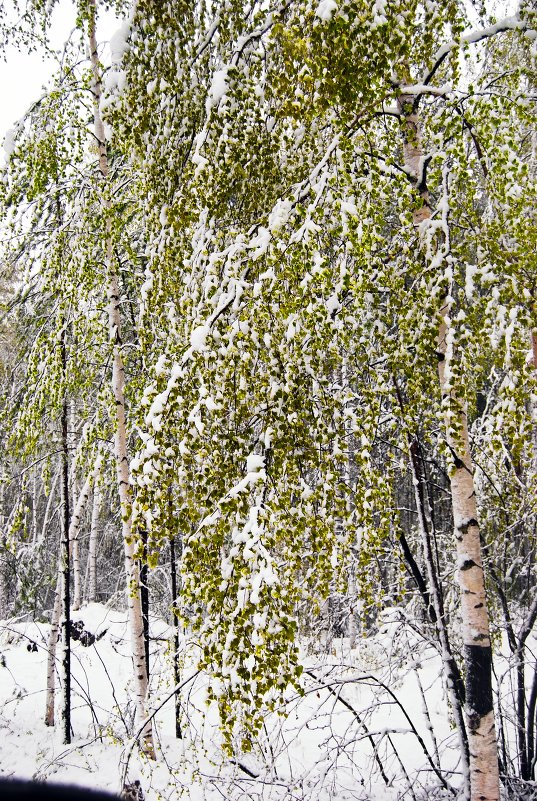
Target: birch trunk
(484, 773)
(433, 596)
(46, 517)
(51, 651)
(92, 550)
(3, 549)
(75, 539)
(34, 506)
(352, 589)
(175, 623)
(56, 613)
(77, 580)
(65, 570)
(120, 437)
(530, 749)
(144, 599)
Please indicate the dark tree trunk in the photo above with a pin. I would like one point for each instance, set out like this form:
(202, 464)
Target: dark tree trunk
(144, 597)
(65, 569)
(175, 621)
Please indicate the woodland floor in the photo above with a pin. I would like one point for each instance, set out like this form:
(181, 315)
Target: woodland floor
(358, 718)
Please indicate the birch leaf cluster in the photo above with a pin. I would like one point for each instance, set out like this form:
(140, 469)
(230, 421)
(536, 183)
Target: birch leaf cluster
(326, 199)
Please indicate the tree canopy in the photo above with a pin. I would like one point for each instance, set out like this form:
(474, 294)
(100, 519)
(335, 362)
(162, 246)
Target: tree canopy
(297, 210)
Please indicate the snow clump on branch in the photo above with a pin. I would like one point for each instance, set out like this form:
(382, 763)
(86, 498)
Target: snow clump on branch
(325, 10)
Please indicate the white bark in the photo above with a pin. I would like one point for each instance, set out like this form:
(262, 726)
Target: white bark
(92, 550)
(74, 533)
(352, 591)
(482, 741)
(46, 518)
(51, 658)
(484, 774)
(56, 613)
(34, 506)
(120, 437)
(75, 540)
(3, 565)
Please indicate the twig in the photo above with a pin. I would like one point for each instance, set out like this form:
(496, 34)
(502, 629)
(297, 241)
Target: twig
(126, 755)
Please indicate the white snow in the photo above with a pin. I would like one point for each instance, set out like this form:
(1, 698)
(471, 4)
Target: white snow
(424, 89)
(279, 215)
(161, 364)
(349, 207)
(325, 10)
(379, 7)
(118, 43)
(9, 143)
(114, 82)
(260, 242)
(198, 338)
(318, 745)
(471, 271)
(333, 304)
(219, 87)
(254, 462)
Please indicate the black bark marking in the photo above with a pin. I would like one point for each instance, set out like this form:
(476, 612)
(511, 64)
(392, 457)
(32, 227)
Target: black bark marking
(478, 659)
(463, 528)
(468, 564)
(417, 576)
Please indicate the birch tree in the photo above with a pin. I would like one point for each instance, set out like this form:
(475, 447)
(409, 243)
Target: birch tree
(294, 148)
(89, 227)
(339, 240)
(118, 389)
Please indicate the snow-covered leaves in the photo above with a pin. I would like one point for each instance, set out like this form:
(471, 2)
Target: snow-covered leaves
(290, 290)
(289, 285)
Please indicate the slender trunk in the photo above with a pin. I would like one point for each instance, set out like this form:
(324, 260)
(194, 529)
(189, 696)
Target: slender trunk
(120, 436)
(51, 658)
(46, 517)
(531, 716)
(77, 579)
(3, 552)
(175, 623)
(352, 590)
(484, 772)
(92, 550)
(521, 714)
(454, 680)
(526, 717)
(352, 628)
(144, 597)
(65, 571)
(532, 720)
(75, 538)
(74, 533)
(435, 607)
(517, 647)
(56, 613)
(34, 506)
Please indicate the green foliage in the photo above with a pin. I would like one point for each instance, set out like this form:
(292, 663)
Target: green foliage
(284, 332)
(287, 285)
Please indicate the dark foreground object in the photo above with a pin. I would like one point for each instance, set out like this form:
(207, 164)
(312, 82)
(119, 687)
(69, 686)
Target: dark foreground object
(16, 790)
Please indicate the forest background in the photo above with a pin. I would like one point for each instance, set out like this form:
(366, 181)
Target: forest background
(269, 348)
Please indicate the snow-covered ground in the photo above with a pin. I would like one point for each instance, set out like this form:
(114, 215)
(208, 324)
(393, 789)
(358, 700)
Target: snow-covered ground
(362, 729)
